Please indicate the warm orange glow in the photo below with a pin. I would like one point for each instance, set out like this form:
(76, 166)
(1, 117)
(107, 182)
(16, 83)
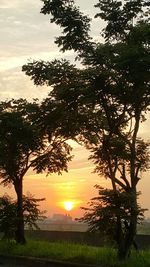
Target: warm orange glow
(68, 205)
(75, 187)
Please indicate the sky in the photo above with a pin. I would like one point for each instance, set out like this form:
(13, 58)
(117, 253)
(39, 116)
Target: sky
(26, 34)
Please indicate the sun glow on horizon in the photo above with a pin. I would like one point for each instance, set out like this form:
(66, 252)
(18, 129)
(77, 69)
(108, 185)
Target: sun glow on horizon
(68, 205)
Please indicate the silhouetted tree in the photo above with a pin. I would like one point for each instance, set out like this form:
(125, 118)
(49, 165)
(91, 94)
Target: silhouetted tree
(110, 214)
(8, 214)
(105, 101)
(25, 143)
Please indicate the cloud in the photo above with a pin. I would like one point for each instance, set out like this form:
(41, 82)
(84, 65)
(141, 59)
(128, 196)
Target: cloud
(25, 33)
(14, 84)
(24, 30)
(13, 62)
(7, 4)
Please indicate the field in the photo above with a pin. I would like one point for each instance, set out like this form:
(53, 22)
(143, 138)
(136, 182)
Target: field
(144, 228)
(76, 253)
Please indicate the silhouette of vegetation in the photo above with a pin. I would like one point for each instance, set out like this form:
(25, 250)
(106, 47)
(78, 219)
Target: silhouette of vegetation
(25, 143)
(8, 214)
(104, 102)
(109, 209)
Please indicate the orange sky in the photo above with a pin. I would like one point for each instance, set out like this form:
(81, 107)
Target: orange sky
(77, 186)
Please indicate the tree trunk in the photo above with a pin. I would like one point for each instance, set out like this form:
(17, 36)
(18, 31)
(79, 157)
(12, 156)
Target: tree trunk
(19, 235)
(127, 240)
(120, 240)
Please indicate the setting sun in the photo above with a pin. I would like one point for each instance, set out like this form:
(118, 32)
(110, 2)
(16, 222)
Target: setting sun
(68, 205)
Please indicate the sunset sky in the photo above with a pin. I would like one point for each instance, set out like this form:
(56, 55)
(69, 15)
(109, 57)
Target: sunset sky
(26, 34)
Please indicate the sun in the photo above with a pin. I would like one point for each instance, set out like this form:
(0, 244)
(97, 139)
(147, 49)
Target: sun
(68, 205)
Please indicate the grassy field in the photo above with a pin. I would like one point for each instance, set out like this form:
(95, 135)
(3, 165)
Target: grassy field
(74, 253)
(144, 228)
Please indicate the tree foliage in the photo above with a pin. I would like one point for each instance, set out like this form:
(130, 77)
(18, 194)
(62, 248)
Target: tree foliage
(109, 96)
(8, 214)
(105, 209)
(75, 25)
(27, 143)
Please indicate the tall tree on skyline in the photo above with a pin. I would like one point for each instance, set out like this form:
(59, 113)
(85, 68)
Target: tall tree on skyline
(106, 100)
(25, 143)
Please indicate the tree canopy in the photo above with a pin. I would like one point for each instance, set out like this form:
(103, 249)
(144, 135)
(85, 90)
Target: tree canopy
(109, 96)
(26, 142)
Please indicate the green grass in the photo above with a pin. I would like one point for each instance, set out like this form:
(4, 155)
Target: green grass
(74, 253)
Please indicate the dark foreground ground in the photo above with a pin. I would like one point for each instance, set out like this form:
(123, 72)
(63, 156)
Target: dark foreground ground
(30, 262)
(9, 262)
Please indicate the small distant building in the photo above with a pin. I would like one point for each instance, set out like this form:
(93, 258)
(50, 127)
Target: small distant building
(62, 218)
(61, 222)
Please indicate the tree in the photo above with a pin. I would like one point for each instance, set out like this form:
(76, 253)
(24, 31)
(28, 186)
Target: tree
(109, 96)
(8, 214)
(110, 214)
(7, 218)
(25, 143)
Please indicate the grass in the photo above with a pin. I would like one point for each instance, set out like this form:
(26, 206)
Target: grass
(103, 256)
